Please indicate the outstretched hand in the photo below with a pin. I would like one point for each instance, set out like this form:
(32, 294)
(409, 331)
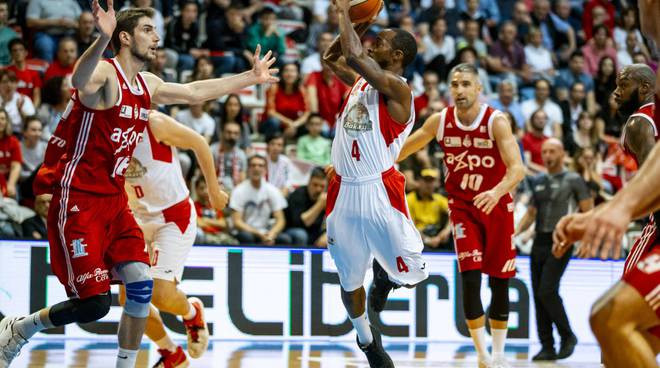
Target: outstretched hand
(104, 20)
(261, 67)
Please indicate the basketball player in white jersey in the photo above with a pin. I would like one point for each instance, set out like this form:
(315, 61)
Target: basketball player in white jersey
(160, 201)
(367, 214)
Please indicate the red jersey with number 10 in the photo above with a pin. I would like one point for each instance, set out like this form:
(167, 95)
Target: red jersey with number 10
(97, 145)
(473, 161)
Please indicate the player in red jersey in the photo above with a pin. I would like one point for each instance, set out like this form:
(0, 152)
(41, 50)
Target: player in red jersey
(483, 167)
(91, 230)
(626, 319)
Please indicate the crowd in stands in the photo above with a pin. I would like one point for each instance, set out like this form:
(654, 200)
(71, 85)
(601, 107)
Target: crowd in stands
(550, 65)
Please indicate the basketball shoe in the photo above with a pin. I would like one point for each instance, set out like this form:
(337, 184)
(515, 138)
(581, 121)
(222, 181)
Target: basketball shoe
(375, 353)
(170, 359)
(380, 288)
(11, 341)
(197, 330)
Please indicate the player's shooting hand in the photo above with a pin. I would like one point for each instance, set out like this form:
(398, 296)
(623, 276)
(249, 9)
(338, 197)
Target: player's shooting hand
(341, 4)
(104, 20)
(605, 229)
(486, 201)
(261, 67)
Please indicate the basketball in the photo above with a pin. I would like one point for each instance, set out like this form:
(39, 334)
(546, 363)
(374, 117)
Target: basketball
(364, 10)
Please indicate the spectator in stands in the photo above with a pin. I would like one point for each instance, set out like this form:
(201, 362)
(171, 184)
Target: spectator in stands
(29, 81)
(412, 166)
(157, 67)
(506, 58)
(571, 111)
(254, 202)
(564, 11)
(538, 56)
(329, 25)
(575, 73)
(228, 48)
(287, 105)
(33, 148)
(230, 160)
(265, 33)
(67, 53)
(533, 140)
(585, 163)
(556, 34)
(633, 46)
(10, 159)
(429, 210)
(6, 33)
(196, 118)
(57, 94)
(232, 112)
(471, 38)
(86, 33)
(542, 101)
(51, 20)
(312, 63)
(326, 92)
(211, 223)
(35, 227)
(609, 119)
(605, 81)
(599, 46)
(586, 134)
(280, 168)
(306, 211)
(486, 9)
(438, 9)
(522, 19)
(506, 101)
(430, 100)
(182, 37)
(203, 69)
(313, 147)
(628, 24)
(439, 43)
(16, 105)
(595, 13)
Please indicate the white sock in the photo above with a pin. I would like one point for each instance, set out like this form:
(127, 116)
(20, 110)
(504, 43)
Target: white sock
(363, 330)
(192, 312)
(30, 325)
(499, 339)
(126, 358)
(166, 343)
(479, 339)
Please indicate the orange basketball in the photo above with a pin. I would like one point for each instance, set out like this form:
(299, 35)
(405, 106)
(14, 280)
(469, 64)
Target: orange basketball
(364, 10)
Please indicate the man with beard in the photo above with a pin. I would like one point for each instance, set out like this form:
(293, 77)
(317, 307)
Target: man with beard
(230, 160)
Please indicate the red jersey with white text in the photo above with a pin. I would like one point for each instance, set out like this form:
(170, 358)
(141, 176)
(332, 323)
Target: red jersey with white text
(98, 144)
(646, 113)
(473, 161)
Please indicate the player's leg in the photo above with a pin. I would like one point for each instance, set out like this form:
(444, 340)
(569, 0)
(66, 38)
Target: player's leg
(498, 315)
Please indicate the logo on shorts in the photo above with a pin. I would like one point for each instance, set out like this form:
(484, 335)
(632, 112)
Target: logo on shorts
(99, 275)
(78, 248)
(459, 231)
(475, 254)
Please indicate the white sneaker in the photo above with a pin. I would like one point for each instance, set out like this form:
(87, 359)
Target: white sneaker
(500, 362)
(197, 331)
(485, 362)
(10, 341)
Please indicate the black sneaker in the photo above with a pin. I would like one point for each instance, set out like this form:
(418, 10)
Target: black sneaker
(380, 288)
(545, 354)
(375, 353)
(567, 347)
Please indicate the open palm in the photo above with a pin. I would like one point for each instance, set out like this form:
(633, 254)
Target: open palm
(261, 68)
(104, 21)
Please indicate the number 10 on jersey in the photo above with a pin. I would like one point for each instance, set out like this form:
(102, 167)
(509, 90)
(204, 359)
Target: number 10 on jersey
(472, 181)
(355, 150)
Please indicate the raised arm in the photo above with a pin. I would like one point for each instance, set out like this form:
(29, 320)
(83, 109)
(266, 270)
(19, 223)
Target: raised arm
(336, 61)
(420, 138)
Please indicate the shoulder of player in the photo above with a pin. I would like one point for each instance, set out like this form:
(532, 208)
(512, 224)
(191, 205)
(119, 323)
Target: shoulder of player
(152, 80)
(638, 126)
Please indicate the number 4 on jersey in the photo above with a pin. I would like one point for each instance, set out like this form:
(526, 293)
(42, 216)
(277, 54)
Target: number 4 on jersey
(355, 150)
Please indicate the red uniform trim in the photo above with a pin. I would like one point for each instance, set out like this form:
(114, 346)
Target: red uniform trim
(395, 184)
(333, 192)
(179, 214)
(159, 151)
(389, 128)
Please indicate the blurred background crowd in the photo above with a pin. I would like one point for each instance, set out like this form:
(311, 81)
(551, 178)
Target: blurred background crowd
(550, 65)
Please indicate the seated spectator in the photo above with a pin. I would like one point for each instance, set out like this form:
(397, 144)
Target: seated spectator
(604, 82)
(35, 227)
(628, 24)
(573, 74)
(329, 24)
(506, 102)
(430, 211)
(287, 105)
(86, 33)
(312, 63)
(196, 118)
(313, 147)
(522, 20)
(232, 111)
(586, 134)
(564, 11)
(438, 42)
(533, 140)
(595, 13)
(16, 105)
(571, 110)
(29, 81)
(182, 37)
(326, 92)
(57, 94)
(230, 160)
(486, 11)
(265, 33)
(6, 33)
(51, 20)
(10, 158)
(599, 46)
(33, 148)
(585, 163)
(306, 212)
(542, 101)
(67, 53)
(254, 202)
(211, 224)
(228, 48)
(439, 9)
(157, 67)
(202, 70)
(471, 38)
(280, 168)
(431, 100)
(626, 55)
(413, 165)
(611, 121)
(556, 34)
(538, 57)
(506, 57)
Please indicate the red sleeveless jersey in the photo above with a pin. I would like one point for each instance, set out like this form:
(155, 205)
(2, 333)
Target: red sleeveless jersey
(95, 146)
(646, 112)
(473, 161)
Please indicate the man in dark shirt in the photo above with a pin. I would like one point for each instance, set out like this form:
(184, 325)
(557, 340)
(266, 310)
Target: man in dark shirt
(228, 47)
(306, 210)
(182, 36)
(554, 194)
(35, 227)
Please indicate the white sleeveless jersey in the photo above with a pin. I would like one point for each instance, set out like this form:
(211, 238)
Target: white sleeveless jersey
(154, 181)
(367, 140)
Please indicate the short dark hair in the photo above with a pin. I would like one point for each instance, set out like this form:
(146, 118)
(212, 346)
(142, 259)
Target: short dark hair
(127, 20)
(274, 136)
(576, 53)
(464, 68)
(256, 156)
(266, 11)
(29, 119)
(314, 115)
(318, 173)
(9, 74)
(51, 92)
(405, 42)
(599, 27)
(16, 41)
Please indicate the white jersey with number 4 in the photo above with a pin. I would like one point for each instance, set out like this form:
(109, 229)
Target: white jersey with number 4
(367, 140)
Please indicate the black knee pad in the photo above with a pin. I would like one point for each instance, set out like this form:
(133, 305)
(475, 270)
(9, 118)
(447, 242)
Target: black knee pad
(499, 300)
(472, 306)
(80, 310)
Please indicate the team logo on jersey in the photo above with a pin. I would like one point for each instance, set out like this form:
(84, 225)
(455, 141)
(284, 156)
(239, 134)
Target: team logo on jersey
(127, 138)
(144, 114)
(78, 246)
(135, 169)
(125, 112)
(472, 162)
(459, 231)
(483, 143)
(136, 112)
(452, 141)
(357, 120)
(467, 142)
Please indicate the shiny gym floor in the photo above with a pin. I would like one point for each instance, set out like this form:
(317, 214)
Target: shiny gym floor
(59, 352)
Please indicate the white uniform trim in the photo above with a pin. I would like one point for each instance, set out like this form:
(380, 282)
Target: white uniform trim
(441, 127)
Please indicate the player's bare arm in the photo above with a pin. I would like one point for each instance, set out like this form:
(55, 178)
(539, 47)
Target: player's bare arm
(209, 89)
(241, 225)
(420, 138)
(515, 171)
(169, 131)
(640, 138)
(386, 82)
(336, 61)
